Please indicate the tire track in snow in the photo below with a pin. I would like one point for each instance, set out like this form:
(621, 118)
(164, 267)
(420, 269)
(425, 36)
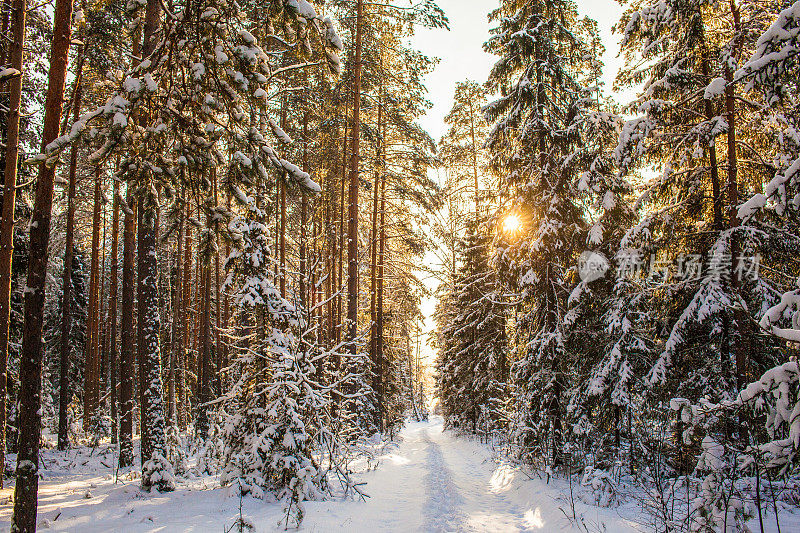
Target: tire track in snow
(442, 498)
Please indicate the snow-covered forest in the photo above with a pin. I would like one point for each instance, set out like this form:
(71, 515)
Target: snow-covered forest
(221, 220)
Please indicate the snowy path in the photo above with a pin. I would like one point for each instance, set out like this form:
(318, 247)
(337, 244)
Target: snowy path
(436, 482)
(442, 499)
(431, 481)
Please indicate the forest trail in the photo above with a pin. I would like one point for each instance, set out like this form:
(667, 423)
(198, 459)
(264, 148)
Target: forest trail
(434, 481)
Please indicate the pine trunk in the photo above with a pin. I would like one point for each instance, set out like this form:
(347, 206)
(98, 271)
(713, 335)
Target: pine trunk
(303, 216)
(4, 46)
(741, 317)
(341, 237)
(127, 363)
(373, 288)
(112, 314)
(66, 285)
(90, 381)
(204, 388)
(712, 155)
(282, 245)
(102, 356)
(474, 160)
(184, 411)
(30, 417)
(9, 206)
(282, 232)
(153, 436)
(381, 370)
(177, 327)
(217, 382)
(352, 227)
(148, 328)
(335, 293)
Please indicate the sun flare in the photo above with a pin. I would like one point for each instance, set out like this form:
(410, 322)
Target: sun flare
(511, 224)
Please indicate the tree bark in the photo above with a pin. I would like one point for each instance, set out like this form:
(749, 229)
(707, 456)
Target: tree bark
(7, 214)
(112, 314)
(204, 389)
(373, 344)
(153, 424)
(102, 356)
(303, 216)
(336, 263)
(282, 233)
(184, 412)
(148, 327)
(127, 362)
(341, 236)
(177, 326)
(474, 160)
(741, 317)
(4, 48)
(381, 371)
(66, 280)
(352, 228)
(217, 314)
(30, 418)
(90, 378)
(712, 154)
(66, 285)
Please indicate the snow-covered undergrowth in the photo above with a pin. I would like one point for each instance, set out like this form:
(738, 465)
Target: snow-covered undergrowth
(82, 490)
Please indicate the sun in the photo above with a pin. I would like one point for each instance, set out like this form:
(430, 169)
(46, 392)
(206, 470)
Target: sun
(511, 224)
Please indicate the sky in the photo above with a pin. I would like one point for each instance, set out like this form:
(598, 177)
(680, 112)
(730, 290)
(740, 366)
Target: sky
(461, 55)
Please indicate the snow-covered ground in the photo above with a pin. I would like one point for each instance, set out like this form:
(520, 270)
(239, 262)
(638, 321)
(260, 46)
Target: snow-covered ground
(431, 481)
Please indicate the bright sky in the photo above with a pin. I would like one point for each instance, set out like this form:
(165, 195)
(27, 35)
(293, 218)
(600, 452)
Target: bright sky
(462, 57)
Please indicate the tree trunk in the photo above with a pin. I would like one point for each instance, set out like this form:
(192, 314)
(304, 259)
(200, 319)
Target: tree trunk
(90, 381)
(381, 271)
(282, 245)
(282, 232)
(712, 154)
(7, 214)
(148, 328)
(373, 337)
(66, 284)
(112, 314)
(336, 263)
(741, 317)
(153, 437)
(474, 160)
(4, 48)
(30, 418)
(217, 314)
(352, 228)
(184, 412)
(303, 216)
(102, 356)
(204, 388)
(341, 236)
(197, 334)
(177, 325)
(127, 364)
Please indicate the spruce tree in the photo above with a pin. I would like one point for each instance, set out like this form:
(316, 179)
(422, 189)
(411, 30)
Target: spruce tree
(541, 74)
